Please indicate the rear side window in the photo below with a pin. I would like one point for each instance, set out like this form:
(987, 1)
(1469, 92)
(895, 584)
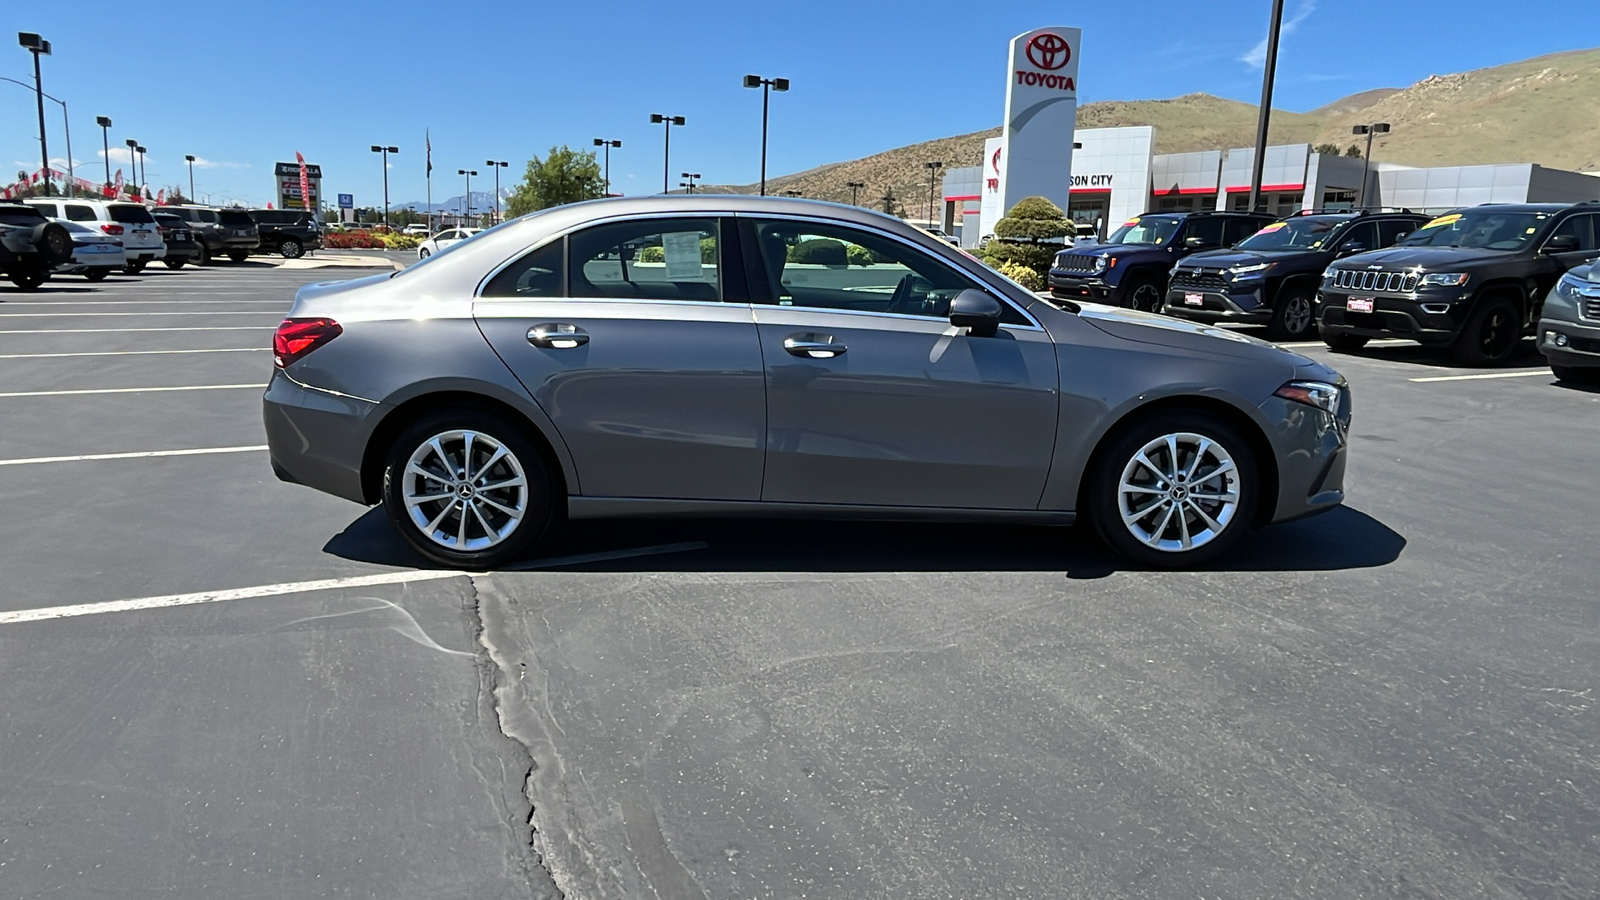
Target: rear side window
(235, 218)
(129, 214)
(647, 259)
(1391, 230)
(19, 214)
(77, 212)
(1237, 230)
(538, 274)
(168, 220)
(48, 209)
(206, 215)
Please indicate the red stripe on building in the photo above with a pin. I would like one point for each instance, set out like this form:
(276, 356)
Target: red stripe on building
(1198, 190)
(1236, 188)
(964, 197)
(1090, 190)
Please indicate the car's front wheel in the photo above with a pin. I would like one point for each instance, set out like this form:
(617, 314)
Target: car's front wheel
(1344, 341)
(1174, 490)
(135, 267)
(204, 257)
(1293, 316)
(97, 274)
(467, 489)
(174, 263)
(1145, 294)
(238, 255)
(28, 278)
(291, 249)
(422, 253)
(1491, 335)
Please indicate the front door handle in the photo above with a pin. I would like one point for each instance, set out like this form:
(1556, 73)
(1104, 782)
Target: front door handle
(813, 349)
(557, 336)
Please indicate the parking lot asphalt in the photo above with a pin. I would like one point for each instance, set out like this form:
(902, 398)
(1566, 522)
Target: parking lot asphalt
(1393, 699)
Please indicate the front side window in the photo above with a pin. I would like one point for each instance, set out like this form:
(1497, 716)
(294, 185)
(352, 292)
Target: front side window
(1580, 227)
(646, 259)
(1207, 228)
(1298, 233)
(1480, 228)
(1363, 236)
(1147, 230)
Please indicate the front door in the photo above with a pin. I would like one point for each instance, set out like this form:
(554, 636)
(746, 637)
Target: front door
(643, 355)
(873, 397)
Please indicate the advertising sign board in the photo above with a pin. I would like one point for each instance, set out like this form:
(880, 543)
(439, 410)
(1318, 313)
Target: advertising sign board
(1041, 116)
(287, 176)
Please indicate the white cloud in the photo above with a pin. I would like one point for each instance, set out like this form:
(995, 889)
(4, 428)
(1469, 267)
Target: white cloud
(200, 162)
(119, 155)
(1257, 57)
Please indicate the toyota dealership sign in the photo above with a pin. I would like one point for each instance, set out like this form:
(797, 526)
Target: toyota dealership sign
(1035, 153)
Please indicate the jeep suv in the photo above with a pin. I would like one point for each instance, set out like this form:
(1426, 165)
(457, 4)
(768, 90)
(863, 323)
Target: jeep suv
(1271, 277)
(290, 232)
(30, 244)
(219, 232)
(1472, 280)
(1130, 267)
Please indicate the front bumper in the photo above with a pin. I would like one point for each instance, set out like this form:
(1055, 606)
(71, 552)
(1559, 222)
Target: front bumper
(1312, 447)
(317, 438)
(1582, 347)
(1392, 316)
(1068, 285)
(1239, 303)
(145, 254)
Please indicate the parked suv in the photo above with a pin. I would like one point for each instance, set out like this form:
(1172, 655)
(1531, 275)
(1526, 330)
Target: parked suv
(1271, 277)
(1472, 280)
(220, 232)
(290, 232)
(1130, 268)
(128, 221)
(30, 244)
(1569, 326)
(182, 247)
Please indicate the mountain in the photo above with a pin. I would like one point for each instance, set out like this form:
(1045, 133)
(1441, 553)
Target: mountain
(1540, 110)
(481, 201)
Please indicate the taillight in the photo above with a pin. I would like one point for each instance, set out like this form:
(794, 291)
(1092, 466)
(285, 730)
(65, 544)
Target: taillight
(111, 229)
(297, 337)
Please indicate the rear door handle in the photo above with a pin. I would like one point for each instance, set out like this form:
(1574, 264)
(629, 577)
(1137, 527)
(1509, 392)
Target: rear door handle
(557, 336)
(813, 349)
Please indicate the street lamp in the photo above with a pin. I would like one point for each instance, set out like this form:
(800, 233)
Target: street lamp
(190, 160)
(602, 142)
(497, 166)
(133, 169)
(666, 153)
(767, 85)
(692, 176)
(1366, 158)
(791, 192)
(105, 141)
(933, 167)
(467, 203)
(854, 186)
(66, 123)
(383, 152)
(38, 46)
(144, 181)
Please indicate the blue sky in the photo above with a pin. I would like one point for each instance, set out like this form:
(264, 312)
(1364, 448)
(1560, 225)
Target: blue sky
(243, 85)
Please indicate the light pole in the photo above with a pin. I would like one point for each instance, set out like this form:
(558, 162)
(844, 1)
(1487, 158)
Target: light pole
(133, 167)
(384, 153)
(467, 203)
(497, 166)
(608, 144)
(144, 182)
(1366, 158)
(66, 123)
(105, 141)
(1264, 117)
(38, 46)
(933, 167)
(692, 176)
(854, 186)
(767, 85)
(666, 153)
(190, 160)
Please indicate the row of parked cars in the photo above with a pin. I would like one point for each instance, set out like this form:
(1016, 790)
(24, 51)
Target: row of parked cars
(1474, 281)
(95, 238)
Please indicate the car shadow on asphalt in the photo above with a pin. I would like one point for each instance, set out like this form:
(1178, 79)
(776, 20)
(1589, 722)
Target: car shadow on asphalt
(1526, 354)
(46, 289)
(1342, 538)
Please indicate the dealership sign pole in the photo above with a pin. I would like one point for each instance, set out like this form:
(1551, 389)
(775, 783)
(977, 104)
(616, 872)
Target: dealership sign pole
(1041, 116)
(1264, 116)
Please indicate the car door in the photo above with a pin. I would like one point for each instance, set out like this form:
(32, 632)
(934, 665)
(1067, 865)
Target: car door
(873, 397)
(641, 348)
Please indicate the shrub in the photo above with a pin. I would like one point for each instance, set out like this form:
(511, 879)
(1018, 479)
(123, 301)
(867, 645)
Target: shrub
(351, 240)
(651, 255)
(394, 240)
(1028, 237)
(858, 255)
(820, 252)
(1023, 275)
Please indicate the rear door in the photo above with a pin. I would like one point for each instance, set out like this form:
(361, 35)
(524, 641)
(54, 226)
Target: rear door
(138, 226)
(637, 340)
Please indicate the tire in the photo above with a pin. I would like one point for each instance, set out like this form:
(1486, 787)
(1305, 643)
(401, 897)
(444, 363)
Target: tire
(173, 263)
(1577, 374)
(28, 278)
(238, 256)
(1292, 315)
(291, 249)
(134, 268)
(1144, 294)
(441, 544)
(97, 274)
(1149, 534)
(52, 240)
(203, 258)
(1491, 334)
(422, 253)
(1345, 342)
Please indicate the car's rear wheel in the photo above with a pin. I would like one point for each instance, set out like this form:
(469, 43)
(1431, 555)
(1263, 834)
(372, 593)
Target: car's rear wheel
(1577, 374)
(238, 255)
(1292, 317)
(204, 256)
(1174, 490)
(28, 278)
(1344, 341)
(1491, 334)
(291, 249)
(174, 263)
(97, 274)
(467, 489)
(135, 267)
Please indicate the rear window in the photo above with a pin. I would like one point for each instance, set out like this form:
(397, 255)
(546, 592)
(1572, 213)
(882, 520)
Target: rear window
(129, 214)
(267, 217)
(234, 218)
(19, 214)
(168, 220)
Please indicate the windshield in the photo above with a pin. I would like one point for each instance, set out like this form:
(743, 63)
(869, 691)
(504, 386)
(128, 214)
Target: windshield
(1301, 233)
(1148, 230)
(1485, 229)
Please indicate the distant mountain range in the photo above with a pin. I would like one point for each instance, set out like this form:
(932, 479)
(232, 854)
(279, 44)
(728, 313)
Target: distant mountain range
(481, 201)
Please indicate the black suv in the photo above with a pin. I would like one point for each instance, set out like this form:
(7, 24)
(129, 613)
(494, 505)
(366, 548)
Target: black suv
(1130, 267)
(287, 231)
(1472, 280)
(219, 232)
(1271, 277)
(30, 244)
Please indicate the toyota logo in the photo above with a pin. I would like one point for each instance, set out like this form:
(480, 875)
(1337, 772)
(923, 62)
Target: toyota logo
(1049, 51)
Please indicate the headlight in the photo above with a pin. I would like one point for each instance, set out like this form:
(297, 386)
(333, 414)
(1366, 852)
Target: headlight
(1448, 279)
(1256, 269)
(1320, 394)
(1100, 263)
(1567, 287)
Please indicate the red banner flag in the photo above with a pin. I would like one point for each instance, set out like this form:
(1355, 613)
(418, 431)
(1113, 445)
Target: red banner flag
(305, 184)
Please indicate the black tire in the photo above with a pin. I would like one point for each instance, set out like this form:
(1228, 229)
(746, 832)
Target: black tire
(1577, 374)
(1293, 316)
(291, 249)
(1103, 491)
(174, 263)
(134, 268)
(1144, 293)
(29, 277)
(1491, 334)
(539, 512)
(238, 256)
(97, 274)
(1346, 342)
(52, 240)
(203, 257)
(422, 253)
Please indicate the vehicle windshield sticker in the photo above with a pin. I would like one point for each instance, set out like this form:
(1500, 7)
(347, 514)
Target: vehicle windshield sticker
(1442, 220)
(682, 250)
(1130, 223)
(1275, 226)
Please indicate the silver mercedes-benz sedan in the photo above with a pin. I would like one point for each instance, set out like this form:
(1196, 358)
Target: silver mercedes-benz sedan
(742, 356)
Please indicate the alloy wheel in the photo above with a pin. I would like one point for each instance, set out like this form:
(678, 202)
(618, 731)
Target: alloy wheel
(1178, 492)
(1146, 297)
(465, 490)
(1297, 314)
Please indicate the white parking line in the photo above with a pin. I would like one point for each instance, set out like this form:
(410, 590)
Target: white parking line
(131, 352)
(324, 584)
(137, 454)
(1380, 342)
(121, 330)
(136, 390)
(1535, 373)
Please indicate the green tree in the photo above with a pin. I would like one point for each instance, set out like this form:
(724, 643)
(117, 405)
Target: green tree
(563, 176)
(1326, 149)
(1353, 150)
(1029, 236)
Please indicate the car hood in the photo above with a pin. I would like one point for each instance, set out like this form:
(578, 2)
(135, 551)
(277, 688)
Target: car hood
(1149, 328)
(1424, 257)
(1093, 250)
(1222, 259)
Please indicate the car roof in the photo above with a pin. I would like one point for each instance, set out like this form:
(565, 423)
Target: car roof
(1522, 207)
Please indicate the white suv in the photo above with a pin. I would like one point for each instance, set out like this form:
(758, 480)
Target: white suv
(130, 222)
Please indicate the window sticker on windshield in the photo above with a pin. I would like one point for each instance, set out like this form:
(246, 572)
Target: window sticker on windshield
(682, 250)
(1130, 223)
(1442, 220)
(1275, 226)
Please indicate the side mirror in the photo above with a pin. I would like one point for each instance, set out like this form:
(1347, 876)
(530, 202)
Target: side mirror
(1195, 242)
(976, 311)
(1352, 249)
(1401, 236)
(1561, 243)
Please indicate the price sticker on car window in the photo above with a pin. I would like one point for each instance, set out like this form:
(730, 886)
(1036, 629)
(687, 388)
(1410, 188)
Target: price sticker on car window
(682, 251)
(1275, 226)
(1131, 222)
(1442, 221)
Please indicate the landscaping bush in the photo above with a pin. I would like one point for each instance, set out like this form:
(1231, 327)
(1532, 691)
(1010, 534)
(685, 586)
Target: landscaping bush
(858, 255)
(397, 241)
(1028, 237)
(651, 255)
(352, 240)
(1023, 275)
(820, 252)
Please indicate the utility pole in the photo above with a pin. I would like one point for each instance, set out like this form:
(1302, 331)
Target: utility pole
(692, 176)
(608, 144)
(767, 85)
(1265, 115)
(666, 153)
(1366, 158)
(105, 143)
(38, 46)
(933, 168)
(384, 152)
(854, 186)
(496, 166)
(190, 160)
